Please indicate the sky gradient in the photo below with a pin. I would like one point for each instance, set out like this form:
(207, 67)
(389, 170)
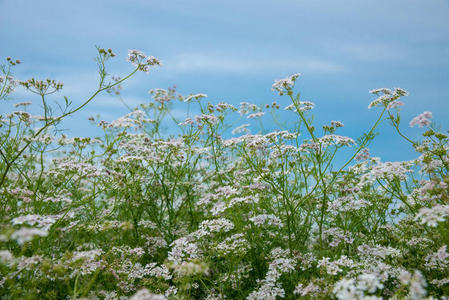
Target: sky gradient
(233, 50)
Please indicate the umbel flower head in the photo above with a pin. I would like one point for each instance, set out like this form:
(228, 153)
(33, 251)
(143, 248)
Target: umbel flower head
(141, 61)
(389, 97)
(285, 84)
(42, 87)
(422, 119)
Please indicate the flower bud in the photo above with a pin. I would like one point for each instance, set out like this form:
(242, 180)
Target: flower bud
(429, 132)
(440, 136)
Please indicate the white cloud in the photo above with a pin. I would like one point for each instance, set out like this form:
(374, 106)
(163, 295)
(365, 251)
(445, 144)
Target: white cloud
(373, 52)
(188, 62)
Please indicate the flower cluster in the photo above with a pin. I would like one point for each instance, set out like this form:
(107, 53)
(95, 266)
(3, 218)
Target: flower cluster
(141, 61)
(141, 213)
(387, 97)
(42, 87)
(422, 119)
(285, 85)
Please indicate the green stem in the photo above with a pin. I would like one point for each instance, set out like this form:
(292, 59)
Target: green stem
(56, 120)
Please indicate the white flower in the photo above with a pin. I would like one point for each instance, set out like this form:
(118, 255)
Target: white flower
(44, 222)
(235, 244)
(135, 55)
(417, 286)
(400, 92)
(6, 256)
(145, 294)
(302, 105)
(422, 119)
(333, 139)
(388, 98)
(23, 104)
(285, 84)
(438, 260)
(24, 234)
(242, 128)
(255, 115)
(309, 289)
(195, 96)
(206, 119)
(346, 289)
(183, 248)
(141, 61)
(395, 104)
(270, 220)
(432, 216)
(369, 282)
(208, 227)
(337, 124)
(363, 154)
(381, 90)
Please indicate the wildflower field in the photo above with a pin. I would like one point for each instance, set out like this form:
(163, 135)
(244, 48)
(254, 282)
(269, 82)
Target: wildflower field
(213, 211)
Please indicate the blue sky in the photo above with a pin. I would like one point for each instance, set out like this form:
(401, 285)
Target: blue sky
(233, 50)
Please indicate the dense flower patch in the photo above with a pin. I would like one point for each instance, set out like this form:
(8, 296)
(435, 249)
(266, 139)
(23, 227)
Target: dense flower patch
(215, 211)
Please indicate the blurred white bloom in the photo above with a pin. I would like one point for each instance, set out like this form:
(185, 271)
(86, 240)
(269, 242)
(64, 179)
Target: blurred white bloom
(235, 244)
(333, 139)
(25, 234)
(369, 283)
(432, 216)
(145, 294)
(346, 289)
(208, 227)
(23, 104)
(395, 104)
(206, 119)
(182, 249)
(6, 256)
(381, 90)
(349, 288)
(43, 222)
(337, 124)
(195, 96)
(422, 119)
(302, 106)
(417, 286)
(255, 115)
(309, 289)
(246, 107)
(190, 268)
(438, 260)
(270, 220)
(242, 128)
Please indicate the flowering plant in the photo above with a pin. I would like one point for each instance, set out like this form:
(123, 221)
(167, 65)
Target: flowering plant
(215, 211)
